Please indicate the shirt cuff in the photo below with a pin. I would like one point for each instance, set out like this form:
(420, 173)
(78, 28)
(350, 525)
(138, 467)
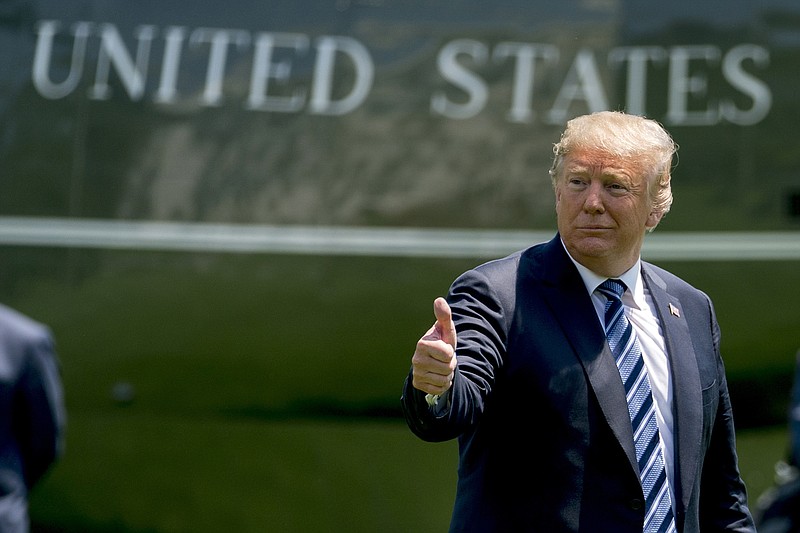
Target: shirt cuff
(438, 404)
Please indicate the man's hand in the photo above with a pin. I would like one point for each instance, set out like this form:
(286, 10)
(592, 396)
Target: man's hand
(434, 361)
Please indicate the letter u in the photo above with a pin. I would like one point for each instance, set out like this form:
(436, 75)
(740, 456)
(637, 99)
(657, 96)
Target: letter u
(46, 31)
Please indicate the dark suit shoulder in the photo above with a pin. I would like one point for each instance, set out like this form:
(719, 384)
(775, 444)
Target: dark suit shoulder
(499, 276)
(510, 266)
(501, 266)
(16, 327)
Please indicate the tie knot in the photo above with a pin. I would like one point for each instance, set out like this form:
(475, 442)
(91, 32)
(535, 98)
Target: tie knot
(612, 288)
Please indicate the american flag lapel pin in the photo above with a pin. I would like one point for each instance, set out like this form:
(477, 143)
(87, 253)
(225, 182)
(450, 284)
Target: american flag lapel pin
(674, 311)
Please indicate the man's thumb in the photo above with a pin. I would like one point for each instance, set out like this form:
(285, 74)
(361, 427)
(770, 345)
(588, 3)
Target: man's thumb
(444, 321)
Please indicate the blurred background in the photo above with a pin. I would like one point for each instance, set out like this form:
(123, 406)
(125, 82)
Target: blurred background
(234, 216)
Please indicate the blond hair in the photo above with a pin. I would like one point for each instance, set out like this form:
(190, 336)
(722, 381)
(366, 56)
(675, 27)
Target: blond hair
(641, 143)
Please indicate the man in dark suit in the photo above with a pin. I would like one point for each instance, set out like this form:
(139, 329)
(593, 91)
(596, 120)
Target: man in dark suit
(585, 386)
(31, 413)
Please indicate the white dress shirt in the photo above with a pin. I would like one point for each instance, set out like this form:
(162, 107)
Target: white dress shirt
(640, 310)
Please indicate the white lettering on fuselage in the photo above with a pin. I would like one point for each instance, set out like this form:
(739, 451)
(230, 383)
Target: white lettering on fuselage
(334, 75)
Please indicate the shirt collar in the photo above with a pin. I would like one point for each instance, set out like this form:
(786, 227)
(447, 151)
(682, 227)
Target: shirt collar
(632, 279)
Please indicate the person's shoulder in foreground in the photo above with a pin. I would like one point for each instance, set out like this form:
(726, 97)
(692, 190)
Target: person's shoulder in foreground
(33, 416)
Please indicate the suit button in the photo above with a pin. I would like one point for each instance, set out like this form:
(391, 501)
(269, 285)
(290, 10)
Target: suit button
(636, 504)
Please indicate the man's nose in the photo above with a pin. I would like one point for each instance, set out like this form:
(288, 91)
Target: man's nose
(593, 202)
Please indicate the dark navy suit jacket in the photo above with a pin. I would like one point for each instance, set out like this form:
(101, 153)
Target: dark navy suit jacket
(31, 412)
(538, 407)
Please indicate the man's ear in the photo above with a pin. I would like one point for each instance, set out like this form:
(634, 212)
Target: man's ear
(653, 219)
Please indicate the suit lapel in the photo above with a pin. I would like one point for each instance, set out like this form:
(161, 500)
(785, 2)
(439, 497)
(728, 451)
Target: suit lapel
(566, 295)
(686, 393)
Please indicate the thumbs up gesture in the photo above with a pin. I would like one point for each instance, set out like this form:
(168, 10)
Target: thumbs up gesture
(434, 361)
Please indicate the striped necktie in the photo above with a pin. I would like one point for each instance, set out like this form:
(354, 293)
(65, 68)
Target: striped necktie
(628, 355)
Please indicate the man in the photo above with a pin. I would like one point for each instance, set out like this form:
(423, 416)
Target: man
(531, 356)
(31, 414)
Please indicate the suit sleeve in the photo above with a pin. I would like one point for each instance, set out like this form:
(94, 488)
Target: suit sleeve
(39, 409)
(480, 318)
(723, 497)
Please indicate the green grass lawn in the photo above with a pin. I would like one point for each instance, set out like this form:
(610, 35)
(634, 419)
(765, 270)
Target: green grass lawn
(140, 472)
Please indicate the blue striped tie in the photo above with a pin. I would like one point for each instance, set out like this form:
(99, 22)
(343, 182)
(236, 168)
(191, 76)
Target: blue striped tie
(628, 354)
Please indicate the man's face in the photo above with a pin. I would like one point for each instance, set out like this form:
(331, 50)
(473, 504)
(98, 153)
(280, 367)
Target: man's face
(603, 210)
